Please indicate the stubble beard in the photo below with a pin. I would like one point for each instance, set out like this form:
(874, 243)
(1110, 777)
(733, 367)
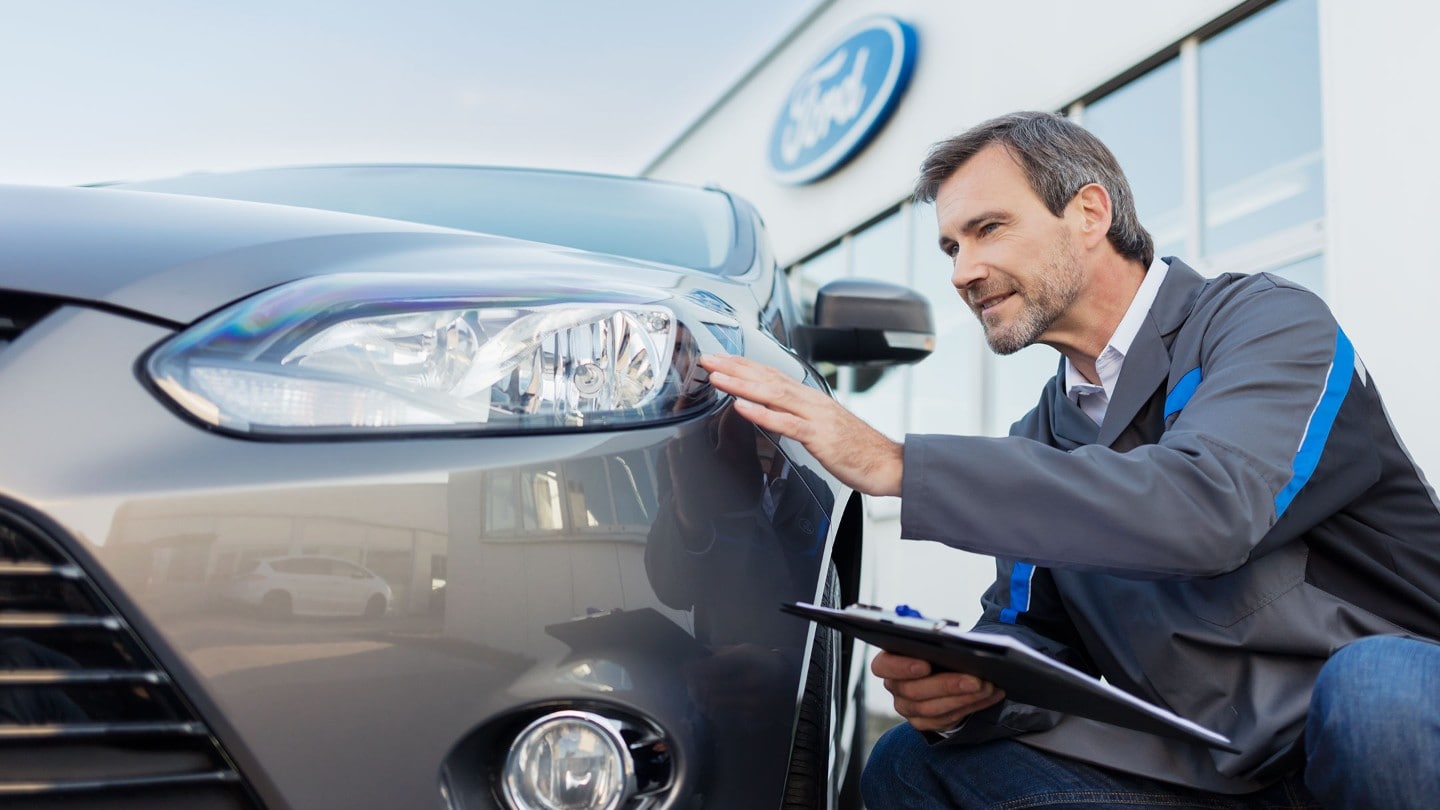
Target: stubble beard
(1045, 298)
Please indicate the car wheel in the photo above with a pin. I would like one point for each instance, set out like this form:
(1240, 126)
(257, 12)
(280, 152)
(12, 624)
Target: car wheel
(375, 607)
(806, 785)
(276, 605)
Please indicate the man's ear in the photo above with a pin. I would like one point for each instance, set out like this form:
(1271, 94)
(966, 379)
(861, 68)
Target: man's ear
(1092, 204)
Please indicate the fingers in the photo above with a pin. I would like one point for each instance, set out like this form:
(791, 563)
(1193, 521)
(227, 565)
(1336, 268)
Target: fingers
(735, 365)
(947, 713)
(767, 397)
(888, 665)
(853, 451)
(932, 701)
(761, 384)
(940, 686)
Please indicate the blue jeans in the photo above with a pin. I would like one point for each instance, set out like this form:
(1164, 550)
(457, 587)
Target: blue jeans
(1372, 741)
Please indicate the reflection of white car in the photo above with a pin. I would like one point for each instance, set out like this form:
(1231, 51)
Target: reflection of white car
(313, 586)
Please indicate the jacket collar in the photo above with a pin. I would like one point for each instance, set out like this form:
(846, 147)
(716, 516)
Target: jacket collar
(1147, 364)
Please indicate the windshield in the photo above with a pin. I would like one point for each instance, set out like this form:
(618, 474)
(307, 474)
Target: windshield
(642, 219)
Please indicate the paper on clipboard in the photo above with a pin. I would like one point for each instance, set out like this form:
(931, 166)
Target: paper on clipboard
(1026, 676)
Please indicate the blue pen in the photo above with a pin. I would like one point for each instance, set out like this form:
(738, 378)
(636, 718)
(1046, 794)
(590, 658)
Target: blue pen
(908, 612)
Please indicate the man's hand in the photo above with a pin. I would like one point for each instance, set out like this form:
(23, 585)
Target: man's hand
(857, 454)
(932, 701)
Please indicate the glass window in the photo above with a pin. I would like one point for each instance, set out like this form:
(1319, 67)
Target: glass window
(1308, 272)
(540, 496)
(814, 273)
(879, 253)
(1015, 384)
(879, 250)
(945, 397)
(588, 492)
(1140, 123)
(500, 515)
(634, 491)
(1260, 161)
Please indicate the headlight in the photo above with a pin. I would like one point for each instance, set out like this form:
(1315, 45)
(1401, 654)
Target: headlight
(569, 760)
(359, 354)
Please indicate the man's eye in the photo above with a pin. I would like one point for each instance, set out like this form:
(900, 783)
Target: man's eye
(988, 228)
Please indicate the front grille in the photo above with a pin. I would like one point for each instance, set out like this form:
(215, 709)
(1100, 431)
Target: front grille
(87, 717)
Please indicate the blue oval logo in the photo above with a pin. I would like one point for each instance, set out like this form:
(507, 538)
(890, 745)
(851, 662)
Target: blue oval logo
(842, 101)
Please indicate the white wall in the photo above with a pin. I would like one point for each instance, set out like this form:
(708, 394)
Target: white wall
(1379, 70)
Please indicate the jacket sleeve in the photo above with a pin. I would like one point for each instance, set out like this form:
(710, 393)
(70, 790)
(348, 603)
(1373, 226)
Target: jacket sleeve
(1255, 452)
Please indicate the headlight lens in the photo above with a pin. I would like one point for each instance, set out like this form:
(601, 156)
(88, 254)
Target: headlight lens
(568, 760)
(356, 354)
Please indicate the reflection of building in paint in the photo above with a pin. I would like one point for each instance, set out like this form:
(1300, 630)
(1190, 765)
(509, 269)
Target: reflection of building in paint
(548, 543)
(184, 546)
(499, 553)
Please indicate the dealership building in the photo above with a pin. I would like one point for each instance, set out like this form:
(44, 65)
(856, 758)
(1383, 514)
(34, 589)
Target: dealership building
(1284, 136)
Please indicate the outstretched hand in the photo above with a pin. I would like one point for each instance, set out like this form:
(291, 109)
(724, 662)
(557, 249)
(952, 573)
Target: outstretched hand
(859, 455)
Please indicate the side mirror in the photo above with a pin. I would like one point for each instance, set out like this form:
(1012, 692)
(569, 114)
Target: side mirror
(863, 322)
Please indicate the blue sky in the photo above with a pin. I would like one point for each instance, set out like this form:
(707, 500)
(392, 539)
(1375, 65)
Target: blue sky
(97, 90)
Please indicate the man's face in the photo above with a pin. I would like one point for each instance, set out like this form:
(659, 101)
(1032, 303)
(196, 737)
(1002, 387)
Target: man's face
(1016, 265)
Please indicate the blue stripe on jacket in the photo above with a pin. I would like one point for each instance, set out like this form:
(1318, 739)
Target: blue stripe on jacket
(1019, 592)
(1312, 443)
(1180, 395)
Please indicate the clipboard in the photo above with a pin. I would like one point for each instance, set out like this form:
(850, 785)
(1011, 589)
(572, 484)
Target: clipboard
(1026, 675)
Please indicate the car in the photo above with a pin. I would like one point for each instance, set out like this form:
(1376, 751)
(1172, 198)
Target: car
(280, 587)
(478, 383)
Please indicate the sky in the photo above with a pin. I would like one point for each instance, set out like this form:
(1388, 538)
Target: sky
(96, 90)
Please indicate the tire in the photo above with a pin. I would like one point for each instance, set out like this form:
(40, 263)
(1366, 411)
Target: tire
(276, 605)
(859, 751)
(375, 606)
(807, 783)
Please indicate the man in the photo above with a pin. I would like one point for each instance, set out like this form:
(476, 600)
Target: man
(1207, 504)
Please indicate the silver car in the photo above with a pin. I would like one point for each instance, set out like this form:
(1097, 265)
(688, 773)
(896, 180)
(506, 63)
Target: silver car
(480, 385)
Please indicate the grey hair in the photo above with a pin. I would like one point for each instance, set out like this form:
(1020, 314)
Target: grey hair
(1059, 157)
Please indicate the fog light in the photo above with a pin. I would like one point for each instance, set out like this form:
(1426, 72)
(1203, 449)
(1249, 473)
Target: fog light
(569, 760)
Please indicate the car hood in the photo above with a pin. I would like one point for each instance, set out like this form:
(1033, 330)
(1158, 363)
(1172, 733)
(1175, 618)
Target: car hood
(177, 258)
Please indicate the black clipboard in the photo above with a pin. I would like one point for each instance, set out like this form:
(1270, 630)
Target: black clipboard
(1026, 676)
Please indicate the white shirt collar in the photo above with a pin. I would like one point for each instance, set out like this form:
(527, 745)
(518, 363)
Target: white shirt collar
(1108, 364)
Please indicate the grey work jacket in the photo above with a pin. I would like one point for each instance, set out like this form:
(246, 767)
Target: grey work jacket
(1244, 510)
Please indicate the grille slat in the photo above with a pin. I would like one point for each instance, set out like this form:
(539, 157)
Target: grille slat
(100, 730)
(70, 677)
(18, 621)
(118, 783)
(34, 569)
(85, 709)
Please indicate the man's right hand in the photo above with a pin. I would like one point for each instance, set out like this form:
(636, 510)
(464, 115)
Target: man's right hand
(930, 700)
(861, 456)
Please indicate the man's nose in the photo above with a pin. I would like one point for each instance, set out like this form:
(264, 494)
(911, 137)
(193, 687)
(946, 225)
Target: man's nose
(966, 270)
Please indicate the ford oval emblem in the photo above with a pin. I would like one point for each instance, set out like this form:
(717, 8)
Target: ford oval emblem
(842, 100)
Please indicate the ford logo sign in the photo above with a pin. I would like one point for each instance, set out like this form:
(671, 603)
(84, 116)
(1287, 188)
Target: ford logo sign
(842, 101)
